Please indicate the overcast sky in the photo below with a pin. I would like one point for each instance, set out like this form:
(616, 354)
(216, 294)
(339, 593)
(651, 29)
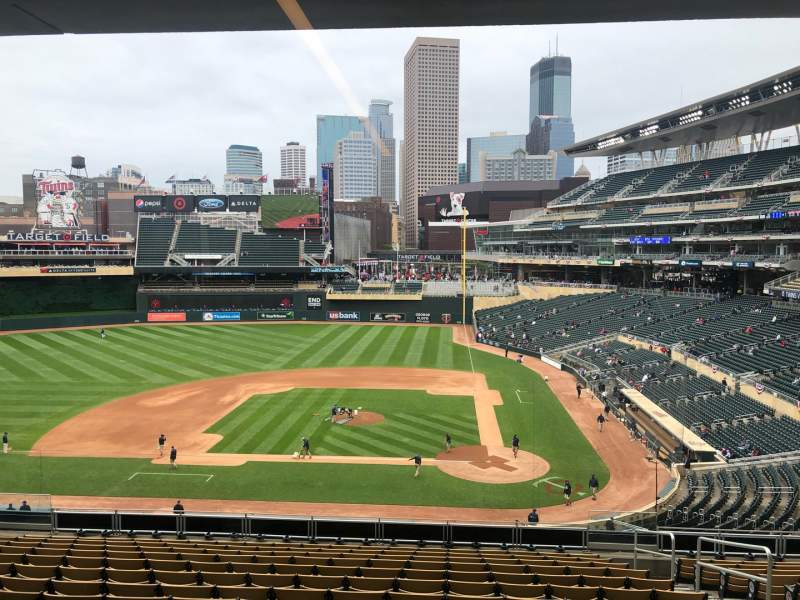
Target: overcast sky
(172, 103)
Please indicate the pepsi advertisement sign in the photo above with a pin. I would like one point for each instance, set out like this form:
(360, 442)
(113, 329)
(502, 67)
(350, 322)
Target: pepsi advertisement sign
(211, 203)
(148, 204)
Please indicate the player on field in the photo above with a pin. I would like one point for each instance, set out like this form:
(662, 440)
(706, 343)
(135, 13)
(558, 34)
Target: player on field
(515, 445)
(102, 333)
(567, 492)
(162, 440)
(594, 485)
(305, 450)
(5, 442)
(448, 442)
(173, 457)
(418, 463)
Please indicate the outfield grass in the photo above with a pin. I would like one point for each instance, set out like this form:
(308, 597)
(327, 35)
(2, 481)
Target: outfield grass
(50, 376)
(415, 423)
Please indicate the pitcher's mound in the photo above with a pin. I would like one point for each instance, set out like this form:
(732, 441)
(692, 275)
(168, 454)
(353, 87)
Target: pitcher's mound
(491, 465)
(364, 417)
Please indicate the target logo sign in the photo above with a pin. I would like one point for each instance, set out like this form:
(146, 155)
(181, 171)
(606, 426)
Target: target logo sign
(155, 303)
(67, 236)
(179, 203)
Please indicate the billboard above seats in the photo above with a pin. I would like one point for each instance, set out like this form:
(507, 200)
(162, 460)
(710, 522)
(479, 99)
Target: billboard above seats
(184, 203)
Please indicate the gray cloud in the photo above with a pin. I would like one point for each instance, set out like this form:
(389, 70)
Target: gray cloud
(172, 103)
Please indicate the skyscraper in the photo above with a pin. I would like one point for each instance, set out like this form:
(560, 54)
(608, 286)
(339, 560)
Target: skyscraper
(355, 172)
(293, 163)
(550, 110)
(462, 173)
(551, 87)
(552, 133)
(243, 170)
(381, 123)
(497, 142)
(331, 129)
(430, 96)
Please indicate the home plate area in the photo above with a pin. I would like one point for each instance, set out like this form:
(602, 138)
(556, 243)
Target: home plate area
(491, 464)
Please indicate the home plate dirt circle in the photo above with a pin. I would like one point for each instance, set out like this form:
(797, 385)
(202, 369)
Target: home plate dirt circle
(491, 464)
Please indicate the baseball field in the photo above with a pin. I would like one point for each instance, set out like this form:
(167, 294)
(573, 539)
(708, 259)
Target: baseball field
(83, 415)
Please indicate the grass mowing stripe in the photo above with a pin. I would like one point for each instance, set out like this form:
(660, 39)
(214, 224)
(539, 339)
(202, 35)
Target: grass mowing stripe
(157, 346)
(426, 428)
(268, 335)
(264, 439)
(233, 431)
(413, 357)
(354, 354)
(413, 433)
(189, 337)
(316, 403)
(431, 347)
(462, 426)
(252, 434)
(383, 355)
(356, 445)
(238, 344)
(235, 423)
(401, 347)
(266, 410)
(372, 441)
(7, 375)
(322, 406)
(139, 362)
(444, 353)
(67, 370)
(378, 342)
(326, 336)
(120, 366)
(39, 354)
(329, 354)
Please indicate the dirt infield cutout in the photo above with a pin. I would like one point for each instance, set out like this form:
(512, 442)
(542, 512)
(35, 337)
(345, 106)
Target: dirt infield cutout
(128, 427)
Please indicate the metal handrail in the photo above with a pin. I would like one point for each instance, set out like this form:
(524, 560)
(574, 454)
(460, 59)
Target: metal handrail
(700, 564)
(658, 535)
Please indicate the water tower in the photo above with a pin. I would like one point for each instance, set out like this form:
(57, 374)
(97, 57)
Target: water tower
(77, 166)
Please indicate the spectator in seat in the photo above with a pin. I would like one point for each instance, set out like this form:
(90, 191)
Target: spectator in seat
(533, 517)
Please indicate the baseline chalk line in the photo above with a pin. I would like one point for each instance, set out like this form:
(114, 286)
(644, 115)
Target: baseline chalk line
(208, 476)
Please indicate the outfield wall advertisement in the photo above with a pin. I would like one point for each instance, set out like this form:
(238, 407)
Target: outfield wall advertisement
(302, 306)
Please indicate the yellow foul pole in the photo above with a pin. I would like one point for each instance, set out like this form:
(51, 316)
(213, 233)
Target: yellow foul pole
(464, 215)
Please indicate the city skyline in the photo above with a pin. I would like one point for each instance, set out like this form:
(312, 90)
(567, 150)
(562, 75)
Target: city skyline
(180, 131)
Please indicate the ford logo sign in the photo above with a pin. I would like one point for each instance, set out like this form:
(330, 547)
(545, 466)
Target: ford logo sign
(211, 203)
